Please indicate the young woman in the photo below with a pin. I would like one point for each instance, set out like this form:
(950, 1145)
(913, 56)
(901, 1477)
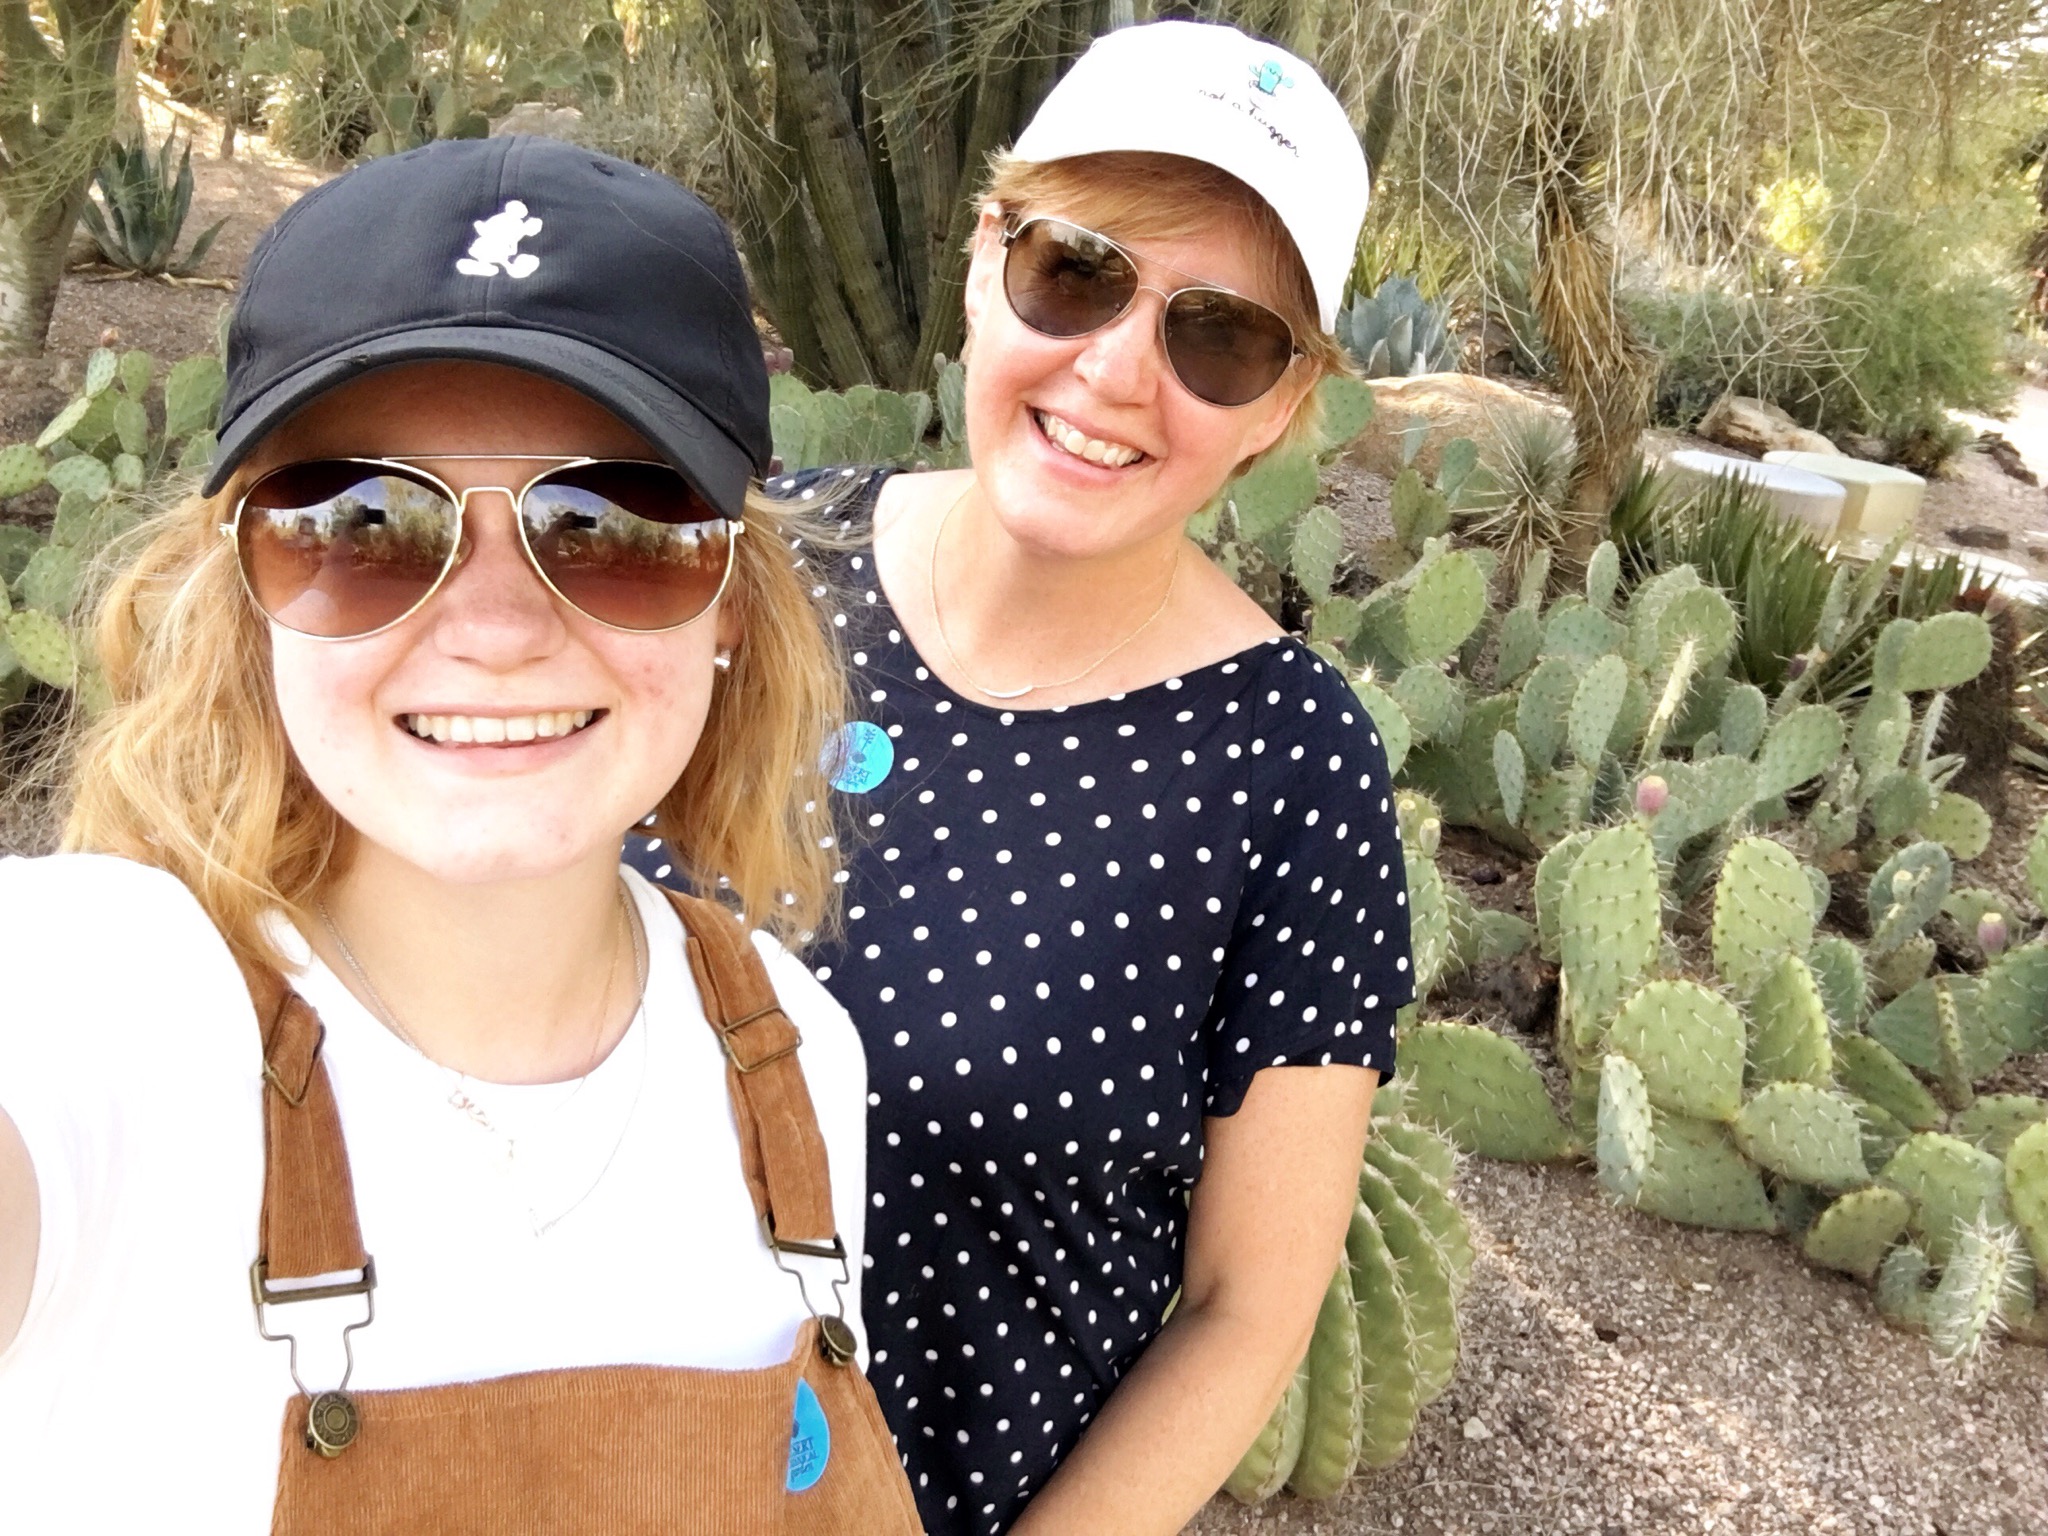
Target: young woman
(506, 1208)
(1127, 926)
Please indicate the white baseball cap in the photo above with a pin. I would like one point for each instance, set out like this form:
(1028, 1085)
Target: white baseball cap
(1208, 92)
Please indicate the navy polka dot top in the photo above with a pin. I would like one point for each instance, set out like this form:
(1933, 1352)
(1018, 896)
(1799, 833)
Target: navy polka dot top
(1070, 935)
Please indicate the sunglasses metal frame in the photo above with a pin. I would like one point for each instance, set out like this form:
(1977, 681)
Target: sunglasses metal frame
(1014, 228)
(231, 530)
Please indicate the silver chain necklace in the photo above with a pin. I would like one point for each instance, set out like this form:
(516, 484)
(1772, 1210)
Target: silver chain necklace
(939, 623)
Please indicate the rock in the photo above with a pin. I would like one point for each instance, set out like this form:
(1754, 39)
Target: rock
(1978, 536)
(2001, 452)
(1445, 406)
(1475, 1429)
(1861, 445)
(1757, 426)
(537, 117)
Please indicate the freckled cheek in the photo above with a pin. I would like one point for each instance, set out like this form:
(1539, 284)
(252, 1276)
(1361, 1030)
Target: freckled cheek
(670, 695)
(330, 718)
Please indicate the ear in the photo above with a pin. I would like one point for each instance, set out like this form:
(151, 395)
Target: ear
(984, 265)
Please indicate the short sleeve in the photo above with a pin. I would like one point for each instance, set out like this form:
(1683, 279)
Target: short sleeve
(1318, 962)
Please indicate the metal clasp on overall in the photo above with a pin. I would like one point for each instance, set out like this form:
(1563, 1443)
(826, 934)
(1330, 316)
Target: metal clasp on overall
(331, 1421)
(835, 1335)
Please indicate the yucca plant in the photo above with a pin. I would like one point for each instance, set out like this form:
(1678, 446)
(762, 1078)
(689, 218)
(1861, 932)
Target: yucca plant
(140, 212)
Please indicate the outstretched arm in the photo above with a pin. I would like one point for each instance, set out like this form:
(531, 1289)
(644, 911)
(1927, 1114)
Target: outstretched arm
(20, 1229)
(1265, 1232)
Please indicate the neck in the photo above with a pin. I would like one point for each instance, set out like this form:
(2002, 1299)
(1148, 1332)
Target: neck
(518, 981)
(1014, 615)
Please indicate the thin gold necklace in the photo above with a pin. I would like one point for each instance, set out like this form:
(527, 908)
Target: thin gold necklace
(939, 622)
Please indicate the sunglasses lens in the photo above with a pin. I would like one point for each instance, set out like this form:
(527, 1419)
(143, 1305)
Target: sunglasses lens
(1226, 350)
(632, 545)
(337, 549)
(1064, 281)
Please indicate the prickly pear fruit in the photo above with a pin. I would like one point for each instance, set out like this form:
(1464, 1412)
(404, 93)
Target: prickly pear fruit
(2026, 1188)
(1652, 794)
(1625, 1140)
(1951, 1184)
(1386, 1353)
(1805, 1133)
(1483, 1090)
(1763, 909)
(1688, 1043)
(1800, 746)
(1610, 922)
(1697, 1177)
(1837, 967)
(1854, 1233)
(1330, 1425)
(1992, 933)
(1427, 1281)
(1263, 1470)
(1871, 1072)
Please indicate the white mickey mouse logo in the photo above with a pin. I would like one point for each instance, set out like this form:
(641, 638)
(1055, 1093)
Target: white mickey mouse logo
(496, 247)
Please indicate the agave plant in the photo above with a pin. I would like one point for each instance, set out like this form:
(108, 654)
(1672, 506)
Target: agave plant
(1396, 333)
(145, 204)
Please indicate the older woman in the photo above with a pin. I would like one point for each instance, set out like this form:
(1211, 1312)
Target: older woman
(1126, 924)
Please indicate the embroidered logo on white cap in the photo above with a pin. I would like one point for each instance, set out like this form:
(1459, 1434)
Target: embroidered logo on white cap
(496, 247)
(1271, 77)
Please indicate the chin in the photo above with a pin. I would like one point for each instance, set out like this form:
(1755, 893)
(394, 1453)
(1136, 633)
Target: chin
(499, 851)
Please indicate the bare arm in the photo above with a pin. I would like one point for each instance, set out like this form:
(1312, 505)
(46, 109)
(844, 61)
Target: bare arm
(20, 1229)
(1266, 1228)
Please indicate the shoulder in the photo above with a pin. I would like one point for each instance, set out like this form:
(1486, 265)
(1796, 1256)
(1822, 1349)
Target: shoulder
(110, 917)
(832, 1053)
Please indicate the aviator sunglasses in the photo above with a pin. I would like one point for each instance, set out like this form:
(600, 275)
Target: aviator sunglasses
(340, 549)
(1066, 281)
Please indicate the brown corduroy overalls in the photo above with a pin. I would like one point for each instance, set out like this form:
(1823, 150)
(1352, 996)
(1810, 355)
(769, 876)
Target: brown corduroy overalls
(618, 1449)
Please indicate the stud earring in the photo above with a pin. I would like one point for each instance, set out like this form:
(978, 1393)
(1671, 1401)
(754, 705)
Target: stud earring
(723, 660)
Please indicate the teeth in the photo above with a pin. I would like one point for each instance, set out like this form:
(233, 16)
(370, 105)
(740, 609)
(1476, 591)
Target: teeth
(492, 729)
(1082, 446)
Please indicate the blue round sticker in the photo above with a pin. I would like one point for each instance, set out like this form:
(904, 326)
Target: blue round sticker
(860, 757)
(810, 1441)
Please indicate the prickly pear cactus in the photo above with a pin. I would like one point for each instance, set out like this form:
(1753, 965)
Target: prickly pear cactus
(1610, 925)
(1951, 1185)
(1482, 1090)
(1906, 892)
(1799, 747)
(1688, 1043)
(1763, 910)
(2026, 1188)
(1803, 1133)
(1855, 1232)
(1789, 1028)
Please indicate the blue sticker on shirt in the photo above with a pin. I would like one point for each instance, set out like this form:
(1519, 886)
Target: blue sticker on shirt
(810, 1441)
(860, 757)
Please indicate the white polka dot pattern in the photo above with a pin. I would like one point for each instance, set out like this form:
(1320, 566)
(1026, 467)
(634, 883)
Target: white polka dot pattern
(1070, 934)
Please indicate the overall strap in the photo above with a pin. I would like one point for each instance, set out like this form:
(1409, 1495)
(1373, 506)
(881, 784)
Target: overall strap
(781, 1149)
(309, 1207)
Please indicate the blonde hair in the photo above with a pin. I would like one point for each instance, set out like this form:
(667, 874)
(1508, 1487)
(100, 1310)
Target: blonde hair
(1129, 195)
(189, 769)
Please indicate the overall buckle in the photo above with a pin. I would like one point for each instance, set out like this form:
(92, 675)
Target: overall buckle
(836, 1339)
(332, 1421)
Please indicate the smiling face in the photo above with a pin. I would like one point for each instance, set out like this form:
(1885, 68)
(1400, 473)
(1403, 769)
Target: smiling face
(496, 734)
(1089, 445)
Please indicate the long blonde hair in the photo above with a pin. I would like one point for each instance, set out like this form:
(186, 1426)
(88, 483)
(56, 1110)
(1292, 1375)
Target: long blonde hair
(189, 768)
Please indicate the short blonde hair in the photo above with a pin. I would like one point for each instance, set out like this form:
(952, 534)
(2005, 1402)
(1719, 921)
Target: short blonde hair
(1136, 196)
(189, 769)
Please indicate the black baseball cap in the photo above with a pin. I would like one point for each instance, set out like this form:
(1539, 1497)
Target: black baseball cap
(582, 268)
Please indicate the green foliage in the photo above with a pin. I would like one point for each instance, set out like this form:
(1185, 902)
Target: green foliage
(863, 425)
(1483, 1092)
(140, 215)
(1395, 332)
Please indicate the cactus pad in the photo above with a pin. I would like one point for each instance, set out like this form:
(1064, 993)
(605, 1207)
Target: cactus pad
(1985, 1277)
(1610, 923)
(2012, 1000)
(1521, 632)
(1444, 606)
(1789, 1034)
(2037, 865)
(1906, 892)
(1688, 1044)
(1704, 795)
(1330, 1419)
(1483, 1090)
(1703, 616)
(1995, 1121)
(1385, 1345)
(1429, 921)
(1551, 872)
(1899, 801)
(1543, 712)
(1762, 910)
(1870, 1071)
(1432, 702)
(81, 473)
(1959, 824)
(21, 469)
(1805, 1133)
(42, 647)
(1388, 720)
(51, 580)
(1910, 1027)
(1837, 967)
(1802, 745)
(1603, 575)
(1744, 717)
(1512, 773)
(1854, 1233)
(1945, 651)
(1951, 1185)
(1318, 547)
(1902, 1290)
(1625, 1138)
(1596, 704)
(1902, 968)
(2026, 1188)
(1697, 1177)
(1262, 1472)
(1579, 634)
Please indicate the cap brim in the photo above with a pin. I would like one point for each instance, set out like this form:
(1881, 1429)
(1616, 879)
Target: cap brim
(683, 435)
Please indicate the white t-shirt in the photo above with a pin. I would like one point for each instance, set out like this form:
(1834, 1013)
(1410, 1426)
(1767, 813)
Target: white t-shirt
(617, 1227)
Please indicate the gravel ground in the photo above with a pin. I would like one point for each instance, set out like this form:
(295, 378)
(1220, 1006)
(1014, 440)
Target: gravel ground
(1623, 1376)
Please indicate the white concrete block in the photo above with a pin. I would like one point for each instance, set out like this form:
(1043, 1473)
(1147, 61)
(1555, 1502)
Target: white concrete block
(1804, 497)
(1878, 499)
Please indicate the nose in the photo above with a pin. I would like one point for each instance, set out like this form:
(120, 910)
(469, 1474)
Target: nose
(494, 610)
(1121, 362)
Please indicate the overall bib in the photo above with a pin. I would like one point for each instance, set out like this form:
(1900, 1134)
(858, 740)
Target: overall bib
(618, 1449)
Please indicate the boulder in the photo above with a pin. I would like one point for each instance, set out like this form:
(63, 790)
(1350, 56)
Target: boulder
(541, 120)
(1443, 406)
(1758, 427)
